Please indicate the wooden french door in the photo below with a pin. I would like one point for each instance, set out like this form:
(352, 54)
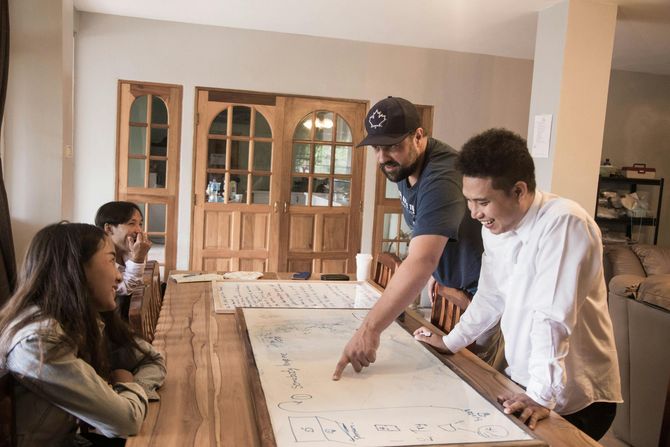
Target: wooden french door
(235, 200)
(322, 185)
(277, 184)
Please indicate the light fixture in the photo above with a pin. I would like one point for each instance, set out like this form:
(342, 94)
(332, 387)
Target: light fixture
(325, 123)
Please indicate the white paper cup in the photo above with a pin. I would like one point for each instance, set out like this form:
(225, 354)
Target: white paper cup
(363, 261)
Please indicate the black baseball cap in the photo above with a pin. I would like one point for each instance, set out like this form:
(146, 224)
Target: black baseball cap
(389, 121)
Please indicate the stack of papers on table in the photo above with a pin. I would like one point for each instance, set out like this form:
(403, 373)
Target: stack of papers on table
(228, 295)
(196, 277)
(243, 275)
(204, 277)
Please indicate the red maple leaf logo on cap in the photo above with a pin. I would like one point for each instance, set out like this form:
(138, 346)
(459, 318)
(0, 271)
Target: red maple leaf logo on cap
(377, 119)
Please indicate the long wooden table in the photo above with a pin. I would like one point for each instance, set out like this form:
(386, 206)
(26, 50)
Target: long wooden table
(206, 399)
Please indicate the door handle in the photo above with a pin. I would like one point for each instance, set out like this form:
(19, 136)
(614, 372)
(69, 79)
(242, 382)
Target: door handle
(285, 207)
(275, 206)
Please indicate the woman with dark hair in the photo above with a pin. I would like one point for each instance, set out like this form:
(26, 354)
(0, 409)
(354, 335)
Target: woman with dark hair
(123, 223)
(64, 345)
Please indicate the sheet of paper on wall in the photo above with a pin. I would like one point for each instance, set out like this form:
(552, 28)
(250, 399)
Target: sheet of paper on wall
(196, 277)
(541, 136)
(228, 295)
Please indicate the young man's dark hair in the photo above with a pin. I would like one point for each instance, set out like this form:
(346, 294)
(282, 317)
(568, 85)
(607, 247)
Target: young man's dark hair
(501, 155)
(115, 213)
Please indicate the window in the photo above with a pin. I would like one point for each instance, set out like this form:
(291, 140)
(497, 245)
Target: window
(239, 157)
(321, 166)
(148, 142)
(396, 235)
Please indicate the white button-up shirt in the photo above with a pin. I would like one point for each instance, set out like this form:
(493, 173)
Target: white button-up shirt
(544, 282)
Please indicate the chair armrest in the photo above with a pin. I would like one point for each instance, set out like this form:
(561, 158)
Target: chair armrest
(655, 290)
(625, 285)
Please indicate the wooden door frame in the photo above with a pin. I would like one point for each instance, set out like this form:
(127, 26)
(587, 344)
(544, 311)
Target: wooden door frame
(235, 98)
(357, 194)
(382, 204)
(170, 194)
(242, 97)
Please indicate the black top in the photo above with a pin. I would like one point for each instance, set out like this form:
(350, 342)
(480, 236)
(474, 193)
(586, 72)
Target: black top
(435, 205)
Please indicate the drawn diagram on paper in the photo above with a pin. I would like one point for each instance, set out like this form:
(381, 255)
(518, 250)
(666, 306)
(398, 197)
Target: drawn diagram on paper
(295, 294)
(407, 397)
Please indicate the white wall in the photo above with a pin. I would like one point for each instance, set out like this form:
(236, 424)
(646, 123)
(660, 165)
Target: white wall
(470, 92)
(547, 75)
(637, 129)
(38, 116)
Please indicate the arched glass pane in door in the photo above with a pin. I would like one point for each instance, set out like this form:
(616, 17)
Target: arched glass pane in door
(321, 163)
(239, 157)
(148, 143)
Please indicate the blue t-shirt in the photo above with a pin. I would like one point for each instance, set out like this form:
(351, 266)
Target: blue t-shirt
(435, 205)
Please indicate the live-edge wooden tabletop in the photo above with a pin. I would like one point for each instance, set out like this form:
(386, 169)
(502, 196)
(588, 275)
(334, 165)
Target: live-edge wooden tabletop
(206, 399)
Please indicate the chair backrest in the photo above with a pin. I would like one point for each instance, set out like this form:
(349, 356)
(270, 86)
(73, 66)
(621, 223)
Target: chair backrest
(145, 304)
(7, 427)
(448, 306)
(385, 266)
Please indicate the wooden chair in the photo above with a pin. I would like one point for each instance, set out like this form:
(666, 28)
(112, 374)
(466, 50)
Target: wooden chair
(385, 266)
(448, 306)
(7, 428)
(145, 304)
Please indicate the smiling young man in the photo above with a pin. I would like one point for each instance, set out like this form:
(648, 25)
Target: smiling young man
(445, 242)
(542, 279)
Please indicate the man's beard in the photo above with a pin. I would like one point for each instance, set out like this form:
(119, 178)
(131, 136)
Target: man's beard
(402, 173)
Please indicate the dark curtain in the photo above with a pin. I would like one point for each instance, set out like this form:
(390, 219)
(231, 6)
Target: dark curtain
(7, 259)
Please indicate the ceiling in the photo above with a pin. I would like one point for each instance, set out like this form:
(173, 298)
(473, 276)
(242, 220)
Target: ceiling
(495, 27)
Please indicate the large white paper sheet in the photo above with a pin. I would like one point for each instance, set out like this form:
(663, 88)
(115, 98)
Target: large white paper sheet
(312, 294)
(407, 397)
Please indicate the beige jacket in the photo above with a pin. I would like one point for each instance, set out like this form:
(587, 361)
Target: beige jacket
(54, 388)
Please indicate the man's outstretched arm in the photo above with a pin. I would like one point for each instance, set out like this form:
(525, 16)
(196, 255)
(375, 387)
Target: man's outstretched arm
(405, 285)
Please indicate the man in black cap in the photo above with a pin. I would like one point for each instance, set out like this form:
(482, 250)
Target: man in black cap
(446, 241)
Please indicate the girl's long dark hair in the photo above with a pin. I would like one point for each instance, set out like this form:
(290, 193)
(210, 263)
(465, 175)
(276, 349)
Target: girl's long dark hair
(53, 279)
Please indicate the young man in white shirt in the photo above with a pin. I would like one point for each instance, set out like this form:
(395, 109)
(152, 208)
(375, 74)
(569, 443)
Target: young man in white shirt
(123, 223)
(542, 279)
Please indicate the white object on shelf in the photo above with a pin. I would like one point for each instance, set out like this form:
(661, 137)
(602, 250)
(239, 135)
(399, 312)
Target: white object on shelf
(638, 170)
